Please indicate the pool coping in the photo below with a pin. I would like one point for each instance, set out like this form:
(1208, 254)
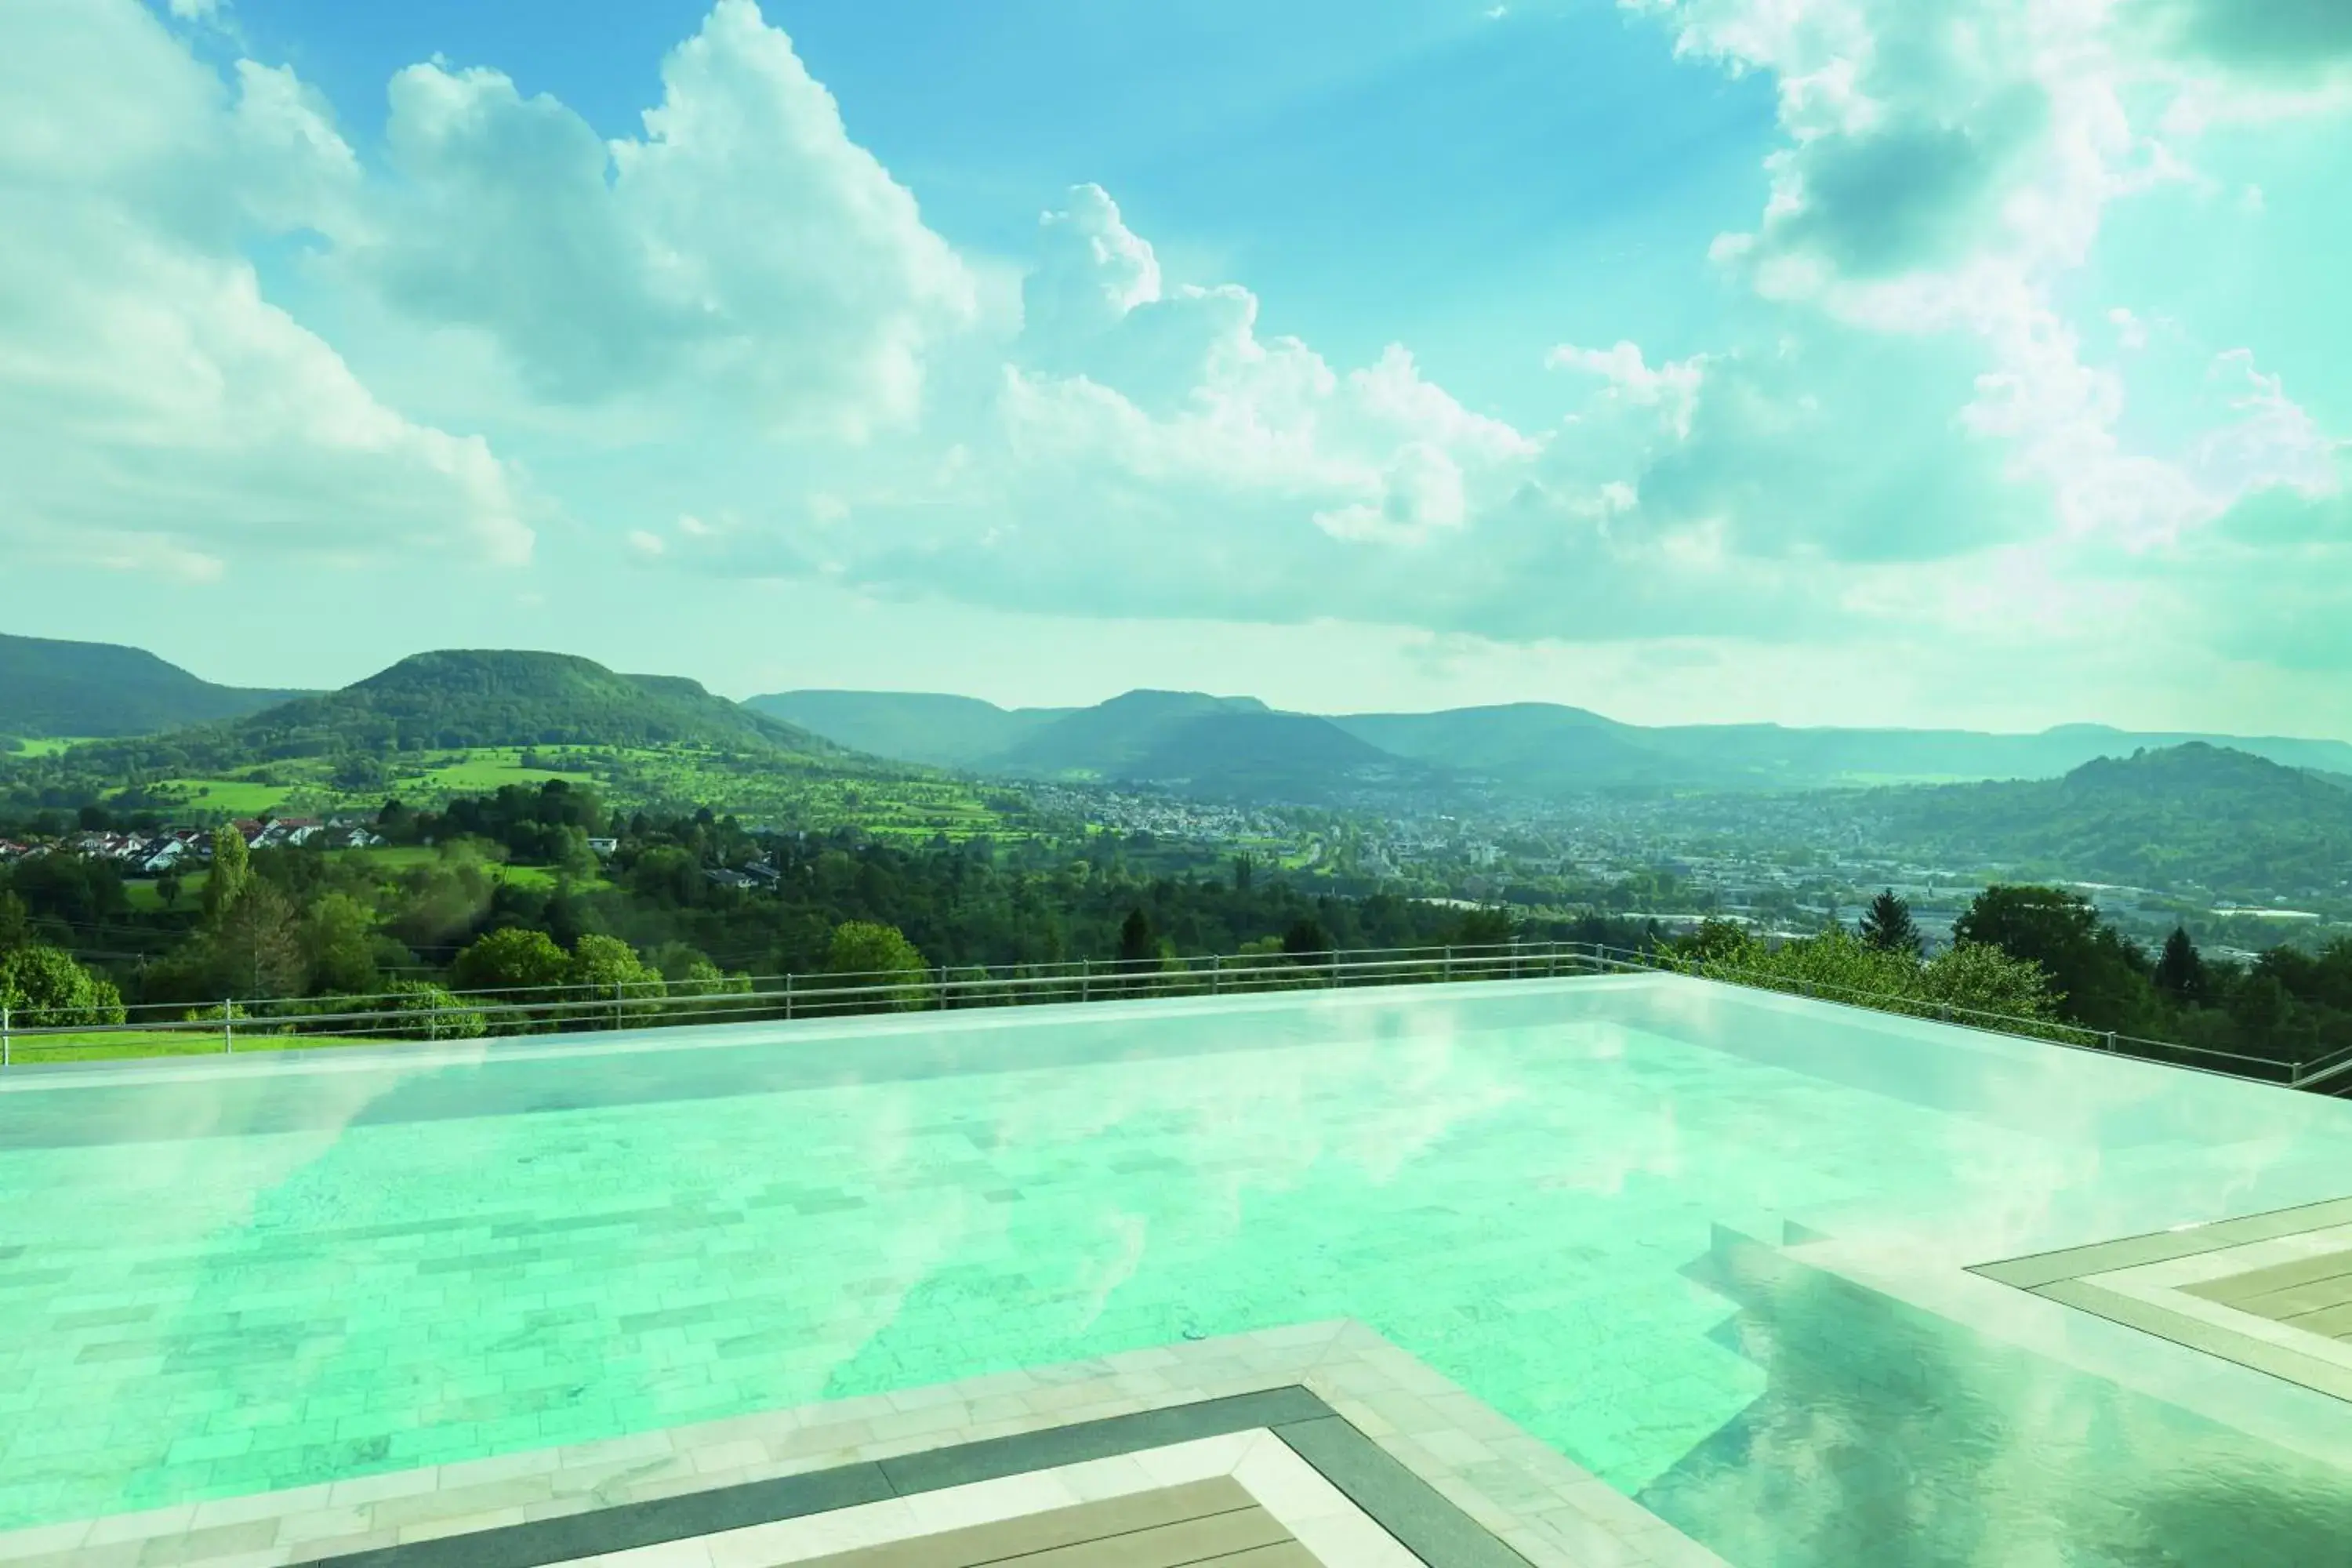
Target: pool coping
(2140, 1282)
(1421, 1518)
(114, 1071)
(1413, 1423)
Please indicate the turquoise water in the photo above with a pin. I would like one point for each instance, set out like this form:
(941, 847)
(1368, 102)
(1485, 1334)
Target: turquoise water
(1572, 1198)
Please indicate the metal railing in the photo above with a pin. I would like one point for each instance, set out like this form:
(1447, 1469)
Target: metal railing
(228, 1026)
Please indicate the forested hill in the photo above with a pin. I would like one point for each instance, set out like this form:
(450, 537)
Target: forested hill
(49, 687)
(912, 726)
(2237, 823)
(460, 698)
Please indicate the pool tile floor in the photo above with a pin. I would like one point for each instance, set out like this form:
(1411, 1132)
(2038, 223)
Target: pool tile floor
(1543, 1507)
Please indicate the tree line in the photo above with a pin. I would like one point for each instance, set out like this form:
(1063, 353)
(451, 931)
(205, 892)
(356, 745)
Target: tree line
(502, 892)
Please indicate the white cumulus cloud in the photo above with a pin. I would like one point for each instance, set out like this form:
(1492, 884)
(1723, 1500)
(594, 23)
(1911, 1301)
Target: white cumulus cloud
(156, 411)
(743, 249)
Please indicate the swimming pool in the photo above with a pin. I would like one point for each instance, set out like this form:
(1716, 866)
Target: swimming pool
(1591, 1203)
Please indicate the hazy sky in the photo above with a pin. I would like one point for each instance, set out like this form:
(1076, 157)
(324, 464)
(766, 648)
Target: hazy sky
(1982, 361)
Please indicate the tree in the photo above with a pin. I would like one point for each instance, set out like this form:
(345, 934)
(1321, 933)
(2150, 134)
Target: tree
(1138, 944)
(232, 869)
(1484, 928)
(516, 959)
(257, 940)
(16, 921)
(42, 987)
(337, 940)
(875, 952)
(168, 888)
(1972, 977)
(1306, 938)
(1886, 925)
(1725, 942)
(607, 967)
(2180, 970)
(2098, 978)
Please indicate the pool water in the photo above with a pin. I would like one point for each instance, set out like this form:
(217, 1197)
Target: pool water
(1584, 1200)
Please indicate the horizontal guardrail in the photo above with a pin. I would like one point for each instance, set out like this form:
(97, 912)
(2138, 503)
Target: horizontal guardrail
(646, 1003)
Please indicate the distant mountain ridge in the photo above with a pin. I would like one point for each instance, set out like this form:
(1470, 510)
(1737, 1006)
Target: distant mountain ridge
(50, 688)
(1533, 748)
(910, 726)
(1224, 747)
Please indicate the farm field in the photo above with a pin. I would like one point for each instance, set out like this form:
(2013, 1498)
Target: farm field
(629, 779)
(49, 747)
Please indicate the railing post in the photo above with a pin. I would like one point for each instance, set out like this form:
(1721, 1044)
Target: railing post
(788, 998)
(2111, 1042)
(616, 1003)
(4, 1033)
(1335, 969)
(1216, 974)
(228, 1026)
(1086, 979)
(1448, 971)
(943, 988)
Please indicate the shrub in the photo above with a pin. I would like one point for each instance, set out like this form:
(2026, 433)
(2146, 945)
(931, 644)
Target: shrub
(874, 953)
(420, 1010)
(1970, 977)
(42, 988)
(615, 983)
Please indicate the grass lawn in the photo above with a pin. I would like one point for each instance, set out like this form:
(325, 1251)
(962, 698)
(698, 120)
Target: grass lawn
(779, 790)
(46, 748)
(391, 857)
(147, 901)
(483, 771)
(237, 797)
(193, 1041)
(543, 878)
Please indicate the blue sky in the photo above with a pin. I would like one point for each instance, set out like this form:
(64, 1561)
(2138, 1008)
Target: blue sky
(1817, 360)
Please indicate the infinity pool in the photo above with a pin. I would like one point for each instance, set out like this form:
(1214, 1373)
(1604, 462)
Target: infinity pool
(1593, 1202)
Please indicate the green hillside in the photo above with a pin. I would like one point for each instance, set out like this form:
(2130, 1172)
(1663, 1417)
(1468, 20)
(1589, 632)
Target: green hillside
(459, 698)
(1534, 746)
(912, 726)
(49, 687)
(1111, 739)
(448, 702)
(1257, 755)
(2238, 822)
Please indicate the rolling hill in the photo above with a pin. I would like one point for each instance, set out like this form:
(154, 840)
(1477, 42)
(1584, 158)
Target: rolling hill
(459, 698)
(2236, 822)
(1226, 747)
(49, 687)
(1537, 747)
(912, 726)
